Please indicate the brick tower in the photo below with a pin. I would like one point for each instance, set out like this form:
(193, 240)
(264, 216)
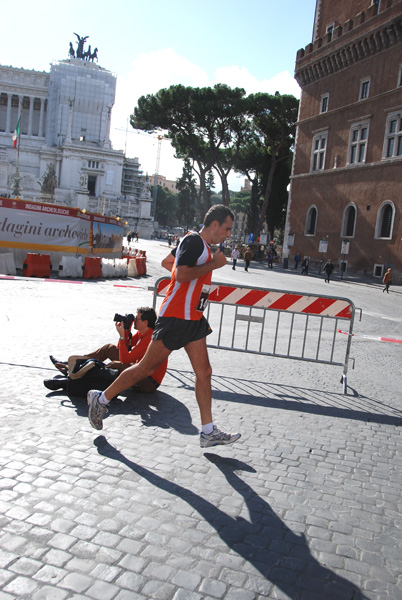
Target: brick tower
(345, 197)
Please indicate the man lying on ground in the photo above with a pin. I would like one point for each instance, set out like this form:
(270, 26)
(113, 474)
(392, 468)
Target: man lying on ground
(127, 352)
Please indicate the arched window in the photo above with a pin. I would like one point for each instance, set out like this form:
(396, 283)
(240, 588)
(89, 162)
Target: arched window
(349, 221)
(311, 221)
(385, 220)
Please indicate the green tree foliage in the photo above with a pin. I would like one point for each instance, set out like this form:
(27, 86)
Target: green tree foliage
(216, 198)
(204, 124)
(209, 186)
(220, 128)
(187, 197)
(266, 158)
(274, 127)
(240, 201)
(253, 161)
(166, 207)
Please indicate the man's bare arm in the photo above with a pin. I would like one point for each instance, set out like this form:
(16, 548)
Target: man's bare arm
(186, 273)
(168, 262)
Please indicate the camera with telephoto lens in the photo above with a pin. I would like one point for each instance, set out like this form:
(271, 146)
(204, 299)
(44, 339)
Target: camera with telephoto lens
(127, 320)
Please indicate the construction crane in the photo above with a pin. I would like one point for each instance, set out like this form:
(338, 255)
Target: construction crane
(158, 159)
(136, 131)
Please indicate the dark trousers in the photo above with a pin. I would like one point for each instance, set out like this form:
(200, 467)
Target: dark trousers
(111, 352)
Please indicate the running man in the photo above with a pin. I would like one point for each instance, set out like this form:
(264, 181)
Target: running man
(181, 324)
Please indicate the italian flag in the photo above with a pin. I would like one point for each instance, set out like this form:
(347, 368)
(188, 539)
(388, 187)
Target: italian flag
(17, 133)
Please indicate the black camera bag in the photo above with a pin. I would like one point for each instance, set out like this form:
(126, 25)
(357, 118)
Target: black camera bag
(98, 377)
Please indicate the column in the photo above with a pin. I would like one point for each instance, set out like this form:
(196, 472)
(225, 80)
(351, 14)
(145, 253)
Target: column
(107, 133)
(8, 118)
(42, 108)
(31, 106)
(20, 103)
(70, 121)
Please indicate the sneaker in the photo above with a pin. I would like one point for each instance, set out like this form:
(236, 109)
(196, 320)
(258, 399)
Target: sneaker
(217, 438)
(56, 384)
(60, 365)
(96, 410)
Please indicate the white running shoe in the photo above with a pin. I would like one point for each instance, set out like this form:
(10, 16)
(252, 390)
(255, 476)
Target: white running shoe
(96, 410)
(217, 438)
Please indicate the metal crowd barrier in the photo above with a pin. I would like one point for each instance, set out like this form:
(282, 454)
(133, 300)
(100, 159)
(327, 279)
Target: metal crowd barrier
(278, 323)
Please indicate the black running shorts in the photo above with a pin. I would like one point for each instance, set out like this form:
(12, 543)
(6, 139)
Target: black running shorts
(177, 333)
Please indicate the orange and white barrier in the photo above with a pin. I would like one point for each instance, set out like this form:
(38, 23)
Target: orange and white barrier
(141, 262)
(37, 265)
(132, 268)
(373, 337)
(70, 266)
(7, 264)
(92, 268)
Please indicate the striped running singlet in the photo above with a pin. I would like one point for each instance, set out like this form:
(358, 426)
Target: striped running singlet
(188, 300)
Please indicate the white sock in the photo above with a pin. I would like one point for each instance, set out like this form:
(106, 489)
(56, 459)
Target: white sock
(208, 428)
(102, 399)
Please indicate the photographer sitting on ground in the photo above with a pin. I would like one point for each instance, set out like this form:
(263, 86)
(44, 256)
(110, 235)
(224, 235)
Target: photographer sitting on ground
(128, 351)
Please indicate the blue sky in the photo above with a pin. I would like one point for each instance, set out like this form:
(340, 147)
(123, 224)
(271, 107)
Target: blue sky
(151, 45)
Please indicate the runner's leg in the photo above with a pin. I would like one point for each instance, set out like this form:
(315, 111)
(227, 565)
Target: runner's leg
(198, 355)
(153, 358)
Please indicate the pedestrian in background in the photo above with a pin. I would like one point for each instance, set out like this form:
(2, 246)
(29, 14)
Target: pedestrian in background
(235, 256)
(247, 257)
(305, 265)
(270, 259)
(297, 260)
(387, 280)
(328, 268)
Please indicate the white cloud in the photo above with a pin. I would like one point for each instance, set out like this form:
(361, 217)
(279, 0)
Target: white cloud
(149, 72)
(235, 76)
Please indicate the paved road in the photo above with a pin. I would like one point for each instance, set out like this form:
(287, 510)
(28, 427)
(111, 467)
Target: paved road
(306, 506)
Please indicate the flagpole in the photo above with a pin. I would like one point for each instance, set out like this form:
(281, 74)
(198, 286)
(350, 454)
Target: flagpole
(18, 153)
(19, 143)
(17, 189)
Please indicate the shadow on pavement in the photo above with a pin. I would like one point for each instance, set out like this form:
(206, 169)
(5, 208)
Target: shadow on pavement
(281, 556)
(155, 410)
(286, 397)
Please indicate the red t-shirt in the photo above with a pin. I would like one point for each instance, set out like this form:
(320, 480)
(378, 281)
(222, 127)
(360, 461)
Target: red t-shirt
(140, 344)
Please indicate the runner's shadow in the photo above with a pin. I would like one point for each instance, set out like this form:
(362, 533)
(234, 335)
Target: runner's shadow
(281, 556)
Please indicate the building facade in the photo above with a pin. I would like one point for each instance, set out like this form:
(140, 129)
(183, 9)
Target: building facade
(345, 198)
(65, 120)
(161, 180)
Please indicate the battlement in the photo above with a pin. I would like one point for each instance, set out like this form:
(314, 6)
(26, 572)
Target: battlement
(369, 32)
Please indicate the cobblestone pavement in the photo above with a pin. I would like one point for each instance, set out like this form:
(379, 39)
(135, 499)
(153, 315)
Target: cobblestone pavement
(306, 506)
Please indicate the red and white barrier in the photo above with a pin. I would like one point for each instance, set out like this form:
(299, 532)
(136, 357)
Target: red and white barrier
(372, 337)
(274, 300)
